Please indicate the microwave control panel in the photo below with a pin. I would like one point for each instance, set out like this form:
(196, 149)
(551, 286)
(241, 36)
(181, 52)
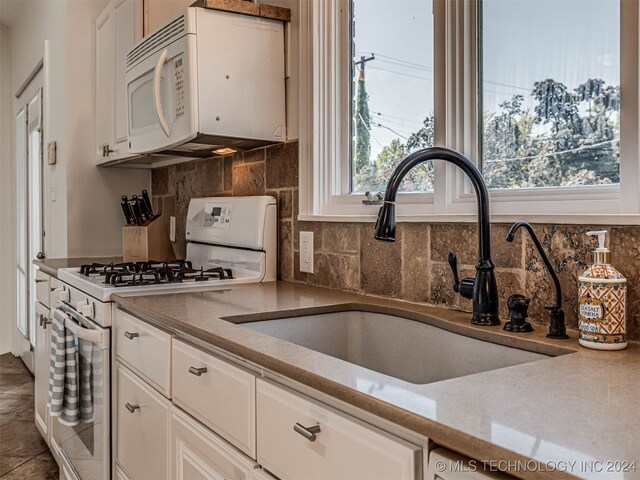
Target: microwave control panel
(178, 77)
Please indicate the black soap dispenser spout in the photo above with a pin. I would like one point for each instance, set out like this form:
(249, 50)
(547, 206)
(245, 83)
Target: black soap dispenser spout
(485, 290)
(557, 328)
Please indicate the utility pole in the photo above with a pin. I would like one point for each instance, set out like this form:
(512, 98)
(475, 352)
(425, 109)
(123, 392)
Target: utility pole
(362, 138)
(363, 61)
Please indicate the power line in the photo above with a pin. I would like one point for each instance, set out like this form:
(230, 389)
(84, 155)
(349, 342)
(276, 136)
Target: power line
(400, 60)
(530, 157)
(398, 118)
(404, 137)
(402, 73)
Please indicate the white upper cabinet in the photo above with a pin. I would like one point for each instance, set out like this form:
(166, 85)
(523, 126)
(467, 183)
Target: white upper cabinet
(118, 28)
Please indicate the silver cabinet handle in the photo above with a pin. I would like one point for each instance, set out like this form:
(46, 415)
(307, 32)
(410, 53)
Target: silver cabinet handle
(131, 408)
(307, 432)
(197, 371)
(131, 335)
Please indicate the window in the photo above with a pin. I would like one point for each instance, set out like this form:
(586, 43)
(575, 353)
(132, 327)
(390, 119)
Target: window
(392, 91)
(542, 95)
(550, 93)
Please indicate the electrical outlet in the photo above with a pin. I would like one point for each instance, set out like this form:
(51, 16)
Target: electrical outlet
(306, 252)
(172, 229)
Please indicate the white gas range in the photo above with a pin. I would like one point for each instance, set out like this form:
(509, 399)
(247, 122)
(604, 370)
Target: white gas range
(231, 240)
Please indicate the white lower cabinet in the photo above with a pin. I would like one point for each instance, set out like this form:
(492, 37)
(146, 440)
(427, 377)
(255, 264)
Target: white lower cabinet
(145, 349)
(143, 419)
(220, 395)
(199, 454)
(301, 439)
(41, 372)
(222, 418)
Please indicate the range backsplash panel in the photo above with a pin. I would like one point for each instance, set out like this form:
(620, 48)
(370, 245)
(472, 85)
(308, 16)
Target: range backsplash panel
(348, 258)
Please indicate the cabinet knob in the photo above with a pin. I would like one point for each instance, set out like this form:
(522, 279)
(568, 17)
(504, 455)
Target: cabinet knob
(197, 371)
(131, 335)
(40, 280)
(310, 433)
(132, 408)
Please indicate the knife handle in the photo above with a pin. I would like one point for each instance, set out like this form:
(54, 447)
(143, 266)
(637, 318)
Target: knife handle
(147, 202)
(126, 209)
(135, 209)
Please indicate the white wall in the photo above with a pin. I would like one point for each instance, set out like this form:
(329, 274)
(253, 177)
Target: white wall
(82, 207)
(7, 206)
(81, 202)
(94, 215)
(37, 21)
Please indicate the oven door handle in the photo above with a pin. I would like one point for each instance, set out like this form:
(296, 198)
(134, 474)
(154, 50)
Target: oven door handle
(98, 337)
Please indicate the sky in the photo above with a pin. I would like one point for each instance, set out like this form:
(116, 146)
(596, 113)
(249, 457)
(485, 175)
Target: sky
(523, 41)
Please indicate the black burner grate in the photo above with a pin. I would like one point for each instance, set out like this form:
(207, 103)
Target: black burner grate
(153, 273)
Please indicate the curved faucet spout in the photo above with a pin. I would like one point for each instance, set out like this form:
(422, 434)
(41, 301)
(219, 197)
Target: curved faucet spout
(485, 296)
(557, 328)
(527, 226)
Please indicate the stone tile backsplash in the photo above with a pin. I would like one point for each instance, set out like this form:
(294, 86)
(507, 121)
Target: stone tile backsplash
(415, 267)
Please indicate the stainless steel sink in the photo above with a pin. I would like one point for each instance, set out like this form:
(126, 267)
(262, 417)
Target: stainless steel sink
(398, 347)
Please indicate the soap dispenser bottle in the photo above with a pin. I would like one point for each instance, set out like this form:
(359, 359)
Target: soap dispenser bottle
(602, 299)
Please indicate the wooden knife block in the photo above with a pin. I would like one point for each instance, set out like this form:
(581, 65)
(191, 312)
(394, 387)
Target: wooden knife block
(149, 241)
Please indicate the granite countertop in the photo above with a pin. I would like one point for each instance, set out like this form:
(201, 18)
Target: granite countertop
(580, 408)
(50, 266)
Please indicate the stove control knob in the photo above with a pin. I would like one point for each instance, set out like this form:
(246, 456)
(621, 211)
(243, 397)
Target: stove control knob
(87, 310)
(63, 295)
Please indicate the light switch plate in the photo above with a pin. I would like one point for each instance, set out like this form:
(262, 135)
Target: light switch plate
(306, 252)
(172, 229)
(51, 153)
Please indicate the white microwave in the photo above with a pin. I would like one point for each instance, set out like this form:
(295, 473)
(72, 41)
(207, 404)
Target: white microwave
(204, 82)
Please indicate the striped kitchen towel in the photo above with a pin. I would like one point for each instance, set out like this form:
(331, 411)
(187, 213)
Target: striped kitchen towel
(85, 357)
(70, 374)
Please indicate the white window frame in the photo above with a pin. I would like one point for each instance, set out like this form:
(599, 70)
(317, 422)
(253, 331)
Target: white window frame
(325, 126)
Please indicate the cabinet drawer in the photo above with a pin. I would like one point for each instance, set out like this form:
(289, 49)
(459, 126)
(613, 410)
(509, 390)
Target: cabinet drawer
(143, 417)
(200, 454)
(343, 449)
(42, 288)
(145, 349)
(217, 393)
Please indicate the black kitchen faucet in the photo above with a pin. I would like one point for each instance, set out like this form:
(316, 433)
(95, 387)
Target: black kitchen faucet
(483, 289)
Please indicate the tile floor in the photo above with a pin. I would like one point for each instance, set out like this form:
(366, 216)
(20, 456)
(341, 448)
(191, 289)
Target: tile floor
(23, 452)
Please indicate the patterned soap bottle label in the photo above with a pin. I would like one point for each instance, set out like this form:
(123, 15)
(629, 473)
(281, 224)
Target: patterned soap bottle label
(601, 312)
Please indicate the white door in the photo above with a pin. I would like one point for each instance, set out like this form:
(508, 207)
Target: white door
(29, 220)
(34, 187)
(22, 239)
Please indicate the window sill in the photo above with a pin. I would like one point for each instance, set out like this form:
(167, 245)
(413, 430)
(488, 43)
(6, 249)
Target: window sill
(579, 219)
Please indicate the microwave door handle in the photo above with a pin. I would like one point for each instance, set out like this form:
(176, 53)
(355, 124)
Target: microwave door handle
(156, 93)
